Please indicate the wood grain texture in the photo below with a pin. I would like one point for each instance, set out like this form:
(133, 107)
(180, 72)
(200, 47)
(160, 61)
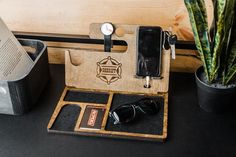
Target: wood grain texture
(56, 50)
(102, 132)
(82, 65)
(186, 60)
(81, 70)
(75, 16)
(185, 63)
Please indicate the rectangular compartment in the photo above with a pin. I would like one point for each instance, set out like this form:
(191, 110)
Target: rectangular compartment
(20, 95)
(87, 97)
(152, 124)
(73, 117)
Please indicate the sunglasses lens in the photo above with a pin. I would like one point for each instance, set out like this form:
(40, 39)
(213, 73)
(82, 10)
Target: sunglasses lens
(123, 114)
(149, 106)
(128, 112)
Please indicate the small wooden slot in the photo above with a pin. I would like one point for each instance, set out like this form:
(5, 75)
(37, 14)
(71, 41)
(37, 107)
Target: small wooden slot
(67, 118)
(87, 97)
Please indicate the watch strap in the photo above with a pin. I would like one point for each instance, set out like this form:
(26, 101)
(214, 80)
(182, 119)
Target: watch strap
(107, 43)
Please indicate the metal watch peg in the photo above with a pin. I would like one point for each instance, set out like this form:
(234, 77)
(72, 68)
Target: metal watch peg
(107, 30)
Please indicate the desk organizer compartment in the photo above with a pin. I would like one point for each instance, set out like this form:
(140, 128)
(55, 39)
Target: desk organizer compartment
(70, 116)
(97, 81)
(67, 118)
(149, 124)
(88, 97)
(19, 96)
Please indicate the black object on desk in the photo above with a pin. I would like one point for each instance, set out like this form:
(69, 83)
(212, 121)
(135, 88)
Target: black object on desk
(192, 132)
(128, 112)
(149, 51)
(21, 95)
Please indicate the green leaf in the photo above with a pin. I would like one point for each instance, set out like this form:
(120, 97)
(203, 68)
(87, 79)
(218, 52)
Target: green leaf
(229, 49)
(218, 43)
(198, 19)
(217, 53)
(231, 63)
(202, 6)
(229, 22)
(231, 74)
(231, 40)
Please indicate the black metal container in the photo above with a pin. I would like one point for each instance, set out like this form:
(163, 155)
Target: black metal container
(19, 96)
(213, 99)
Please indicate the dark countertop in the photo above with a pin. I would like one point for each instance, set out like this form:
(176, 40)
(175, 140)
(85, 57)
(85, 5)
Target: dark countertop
(191, 131)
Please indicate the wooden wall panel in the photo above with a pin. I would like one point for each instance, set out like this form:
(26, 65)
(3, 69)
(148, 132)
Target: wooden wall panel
(74, 16)
(184, 63)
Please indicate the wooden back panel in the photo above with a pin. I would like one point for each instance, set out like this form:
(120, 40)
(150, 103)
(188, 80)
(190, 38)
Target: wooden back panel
(89, 69)
(74, 16)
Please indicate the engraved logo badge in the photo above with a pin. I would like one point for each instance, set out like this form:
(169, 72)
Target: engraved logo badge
(109, 70)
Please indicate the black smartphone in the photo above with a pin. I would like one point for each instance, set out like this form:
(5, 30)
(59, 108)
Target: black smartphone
(150, 40)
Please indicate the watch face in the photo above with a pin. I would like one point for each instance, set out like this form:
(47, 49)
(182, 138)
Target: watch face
(107, 29)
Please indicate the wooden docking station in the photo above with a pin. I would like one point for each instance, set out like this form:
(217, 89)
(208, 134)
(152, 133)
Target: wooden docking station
(97, 82)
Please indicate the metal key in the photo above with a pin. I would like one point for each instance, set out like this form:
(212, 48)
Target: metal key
(172, 40)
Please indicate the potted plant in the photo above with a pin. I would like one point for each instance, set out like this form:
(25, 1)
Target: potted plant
(216, 79)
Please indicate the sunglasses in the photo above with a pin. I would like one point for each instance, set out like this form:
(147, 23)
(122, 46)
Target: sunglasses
(128, 112)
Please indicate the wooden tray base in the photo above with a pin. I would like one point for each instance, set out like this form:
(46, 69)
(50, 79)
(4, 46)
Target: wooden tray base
(71, 110)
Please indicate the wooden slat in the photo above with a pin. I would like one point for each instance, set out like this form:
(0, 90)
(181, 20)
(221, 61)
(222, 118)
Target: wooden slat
(184, 63)
(186, 60)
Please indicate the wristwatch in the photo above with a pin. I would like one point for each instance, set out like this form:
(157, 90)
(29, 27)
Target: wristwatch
(107, 30)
